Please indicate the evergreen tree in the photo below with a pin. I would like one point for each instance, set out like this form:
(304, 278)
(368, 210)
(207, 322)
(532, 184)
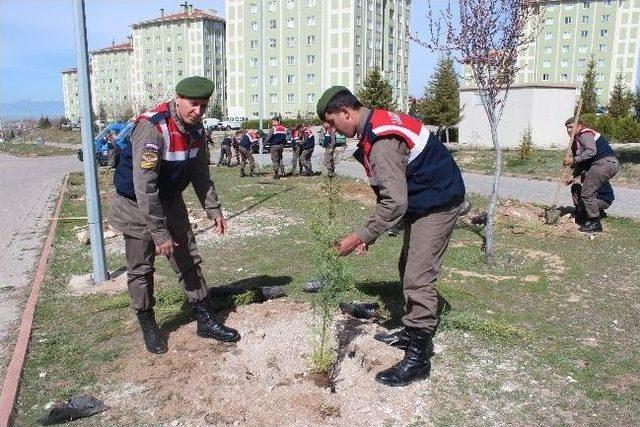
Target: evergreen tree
(588, 91)
(441, 104)
(414, 108)
(636, 102)
(102, 112)
(377, 92)
(621, 100)
(215, 110)
(44, 123)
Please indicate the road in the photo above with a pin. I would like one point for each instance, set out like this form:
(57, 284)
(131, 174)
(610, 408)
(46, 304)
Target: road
(28, 190)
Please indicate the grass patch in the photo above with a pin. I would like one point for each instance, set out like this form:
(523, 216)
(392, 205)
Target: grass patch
(559, 327)
(24, 149)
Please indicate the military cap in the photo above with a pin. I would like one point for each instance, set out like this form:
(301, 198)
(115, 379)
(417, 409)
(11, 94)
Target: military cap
(195, 87)
(326, 98)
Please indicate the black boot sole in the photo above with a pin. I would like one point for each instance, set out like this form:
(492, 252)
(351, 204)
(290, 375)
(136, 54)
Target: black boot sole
(162, 350)
(420, 377)
(217, 337)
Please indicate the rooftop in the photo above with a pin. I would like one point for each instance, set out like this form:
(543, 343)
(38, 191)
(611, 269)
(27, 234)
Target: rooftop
(70, 70)
(114, 48)
(186, 14)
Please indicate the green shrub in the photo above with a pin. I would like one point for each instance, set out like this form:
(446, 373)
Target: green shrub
(525, 148)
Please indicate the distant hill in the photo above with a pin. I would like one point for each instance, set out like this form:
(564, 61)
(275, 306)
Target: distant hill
(25, 109)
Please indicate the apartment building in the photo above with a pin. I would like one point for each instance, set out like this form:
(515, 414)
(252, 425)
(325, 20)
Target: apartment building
(70, 94)
(111, 78)
(292, 50)
(573, 31)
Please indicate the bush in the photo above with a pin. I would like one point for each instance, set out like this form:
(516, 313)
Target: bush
(44, 123)
(622, 130)
(525, 148)
(290, 123)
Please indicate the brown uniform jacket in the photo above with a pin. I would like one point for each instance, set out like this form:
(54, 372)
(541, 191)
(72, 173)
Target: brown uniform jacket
(149, 217)
(388, 160)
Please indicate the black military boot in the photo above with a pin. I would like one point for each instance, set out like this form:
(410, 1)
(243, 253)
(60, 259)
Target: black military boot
(242, 174)
(415, 365)
(591, 225)
(208, 327)
(153, 339)
(399, 338)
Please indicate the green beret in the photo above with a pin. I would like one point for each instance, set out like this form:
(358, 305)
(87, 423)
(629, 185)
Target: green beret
(195, 87)
(326, 98)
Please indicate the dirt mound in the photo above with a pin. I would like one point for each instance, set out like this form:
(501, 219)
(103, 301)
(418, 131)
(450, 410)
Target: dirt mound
(262, 380)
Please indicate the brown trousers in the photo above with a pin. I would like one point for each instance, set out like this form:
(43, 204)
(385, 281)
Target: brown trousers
(601, 171)
(276, 159)
(185, 261)
(246, 156)
(425, 241)
(305, 159)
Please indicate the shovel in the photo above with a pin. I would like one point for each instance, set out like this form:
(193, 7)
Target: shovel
(552, 213)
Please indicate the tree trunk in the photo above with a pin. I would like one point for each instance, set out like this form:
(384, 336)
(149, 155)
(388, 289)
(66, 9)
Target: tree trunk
(489, 252)
(447, 131)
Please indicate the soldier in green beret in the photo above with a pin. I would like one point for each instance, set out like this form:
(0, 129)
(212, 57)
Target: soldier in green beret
(166, 154)
(416, 179)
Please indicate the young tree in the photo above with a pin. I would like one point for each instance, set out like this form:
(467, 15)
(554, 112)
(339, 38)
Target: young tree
(588, 91)
(102, 112)
(44, 123)
(441, 104)
(215, 110)
(377, 92)
(620, 101)
(486, 37)
(636, 102)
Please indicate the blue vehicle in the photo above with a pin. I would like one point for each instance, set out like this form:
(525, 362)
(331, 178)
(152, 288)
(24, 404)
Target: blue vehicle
(113, 135)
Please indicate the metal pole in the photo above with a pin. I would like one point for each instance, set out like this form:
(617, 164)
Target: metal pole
(260, 83)
(94, 213)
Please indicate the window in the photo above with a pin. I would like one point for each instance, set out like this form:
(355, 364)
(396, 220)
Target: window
(585, 19)
(582, 48)
(601, 63)
(586, 4)
(291, 79)
(582, 62)
(253, 44)
(606, 18)
(564, 63)
(358, 21)
(580, 77)
(311, 40)
(273, 61)
(273, 98)
(545, 77)
(568, 6)
(158, 51)
(254, 26)
(147, 51)
(290, 41)
(358, 60)
(568, 20)
(311, 21)
(272, 42)
(291, 4)
(548, 36)
(290, 22)
(273, 80)
(603, 33)
(564, 77)
(546, 63)
(169, 61)
(584, 33)
(254, 98)
(291, 60)
(607, 3)
(547, 49)
(566, 35)
(311, 78)
(273, 6)
(179, 48)
(272, 24)
(311, 3)
(291, 98)
(358, 41)
(254, 81)
(253, 8)
(602, 48)
(311, 97)
(565, 48)
(311, 59)
(253, 62)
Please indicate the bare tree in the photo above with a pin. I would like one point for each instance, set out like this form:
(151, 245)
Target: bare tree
(486, 37)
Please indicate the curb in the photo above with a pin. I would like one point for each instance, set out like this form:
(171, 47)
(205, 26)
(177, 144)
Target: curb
(14, 370)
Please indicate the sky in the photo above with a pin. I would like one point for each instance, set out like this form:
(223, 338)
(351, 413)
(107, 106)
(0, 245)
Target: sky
(37, 40)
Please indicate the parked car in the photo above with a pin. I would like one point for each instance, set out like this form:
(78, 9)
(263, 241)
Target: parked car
(232, 123)
(211, 123)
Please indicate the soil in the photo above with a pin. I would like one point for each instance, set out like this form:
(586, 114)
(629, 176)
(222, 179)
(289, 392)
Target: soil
(359, 191)
(264, 379)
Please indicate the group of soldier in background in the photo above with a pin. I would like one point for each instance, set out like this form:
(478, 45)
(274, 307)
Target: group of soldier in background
(241, 145)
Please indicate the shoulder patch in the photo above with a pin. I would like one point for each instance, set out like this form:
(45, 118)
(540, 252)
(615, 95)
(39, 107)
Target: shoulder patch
(151, 147)
(149, 158)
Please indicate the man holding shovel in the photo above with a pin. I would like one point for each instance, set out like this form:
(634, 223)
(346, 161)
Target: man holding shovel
(415, 177)
(594, 161)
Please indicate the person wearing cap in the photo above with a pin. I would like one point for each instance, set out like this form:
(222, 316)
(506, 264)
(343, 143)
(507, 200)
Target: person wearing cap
(414, 177)
(165, 155)
(276, 137)
(296, 149)
(594, 163)
(247, 139)
(308, 144)
(329, 145)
